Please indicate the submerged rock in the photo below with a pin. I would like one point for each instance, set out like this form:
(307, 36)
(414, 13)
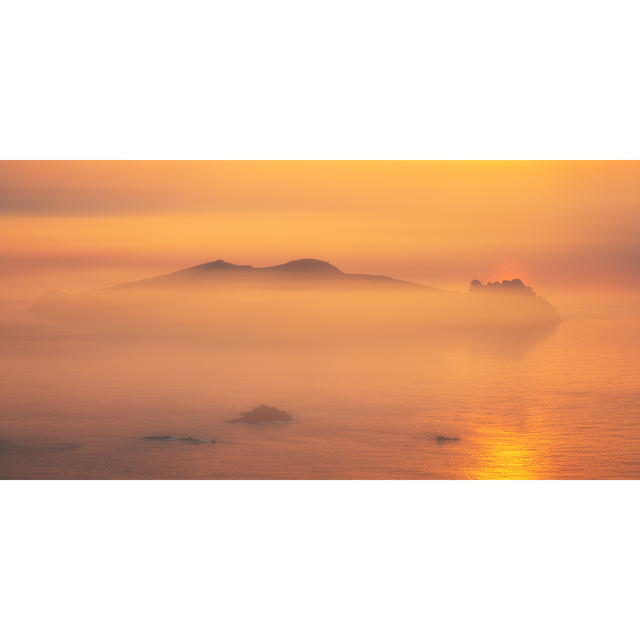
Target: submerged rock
(263, 414)
(190, 440)
(444, 439)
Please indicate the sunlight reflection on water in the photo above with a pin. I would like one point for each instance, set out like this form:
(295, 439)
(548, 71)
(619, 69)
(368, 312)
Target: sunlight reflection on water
(555, 404)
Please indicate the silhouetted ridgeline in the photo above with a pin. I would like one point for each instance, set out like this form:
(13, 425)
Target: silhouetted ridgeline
(297, 274)
(302, 299)
(511, 287)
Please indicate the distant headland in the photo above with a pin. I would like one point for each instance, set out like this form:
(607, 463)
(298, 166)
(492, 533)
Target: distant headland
(515, 288)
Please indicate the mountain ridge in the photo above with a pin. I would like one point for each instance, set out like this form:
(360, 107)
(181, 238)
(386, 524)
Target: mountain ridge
(309, 270)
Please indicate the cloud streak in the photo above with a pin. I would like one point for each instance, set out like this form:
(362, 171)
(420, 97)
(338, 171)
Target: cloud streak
(437, 223)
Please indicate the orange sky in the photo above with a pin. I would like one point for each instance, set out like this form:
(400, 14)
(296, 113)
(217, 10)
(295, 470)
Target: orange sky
(556, 225)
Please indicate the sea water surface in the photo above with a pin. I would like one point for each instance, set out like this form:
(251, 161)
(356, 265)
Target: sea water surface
(556, 403)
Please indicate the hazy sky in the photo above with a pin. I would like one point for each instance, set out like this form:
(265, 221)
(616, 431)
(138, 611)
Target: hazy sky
(556, 225)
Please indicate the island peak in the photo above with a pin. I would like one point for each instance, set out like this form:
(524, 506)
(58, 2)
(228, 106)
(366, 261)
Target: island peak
(306, 265)
(221, 264)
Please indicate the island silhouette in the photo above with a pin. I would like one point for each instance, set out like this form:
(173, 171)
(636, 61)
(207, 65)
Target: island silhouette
(306, 296)
(263, 414)
(305, 273)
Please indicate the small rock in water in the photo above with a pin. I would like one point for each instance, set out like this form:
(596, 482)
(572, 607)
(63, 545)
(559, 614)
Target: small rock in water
(191, 440)
(157, 437)
(444, 439)
(263, 414)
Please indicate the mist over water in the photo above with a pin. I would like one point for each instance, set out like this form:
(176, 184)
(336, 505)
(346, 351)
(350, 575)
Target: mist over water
(370, 384)
(372, 369)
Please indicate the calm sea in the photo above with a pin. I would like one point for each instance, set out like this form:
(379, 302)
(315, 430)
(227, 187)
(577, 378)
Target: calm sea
(563, 403)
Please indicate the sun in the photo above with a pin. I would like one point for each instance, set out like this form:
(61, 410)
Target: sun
(508, 270)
